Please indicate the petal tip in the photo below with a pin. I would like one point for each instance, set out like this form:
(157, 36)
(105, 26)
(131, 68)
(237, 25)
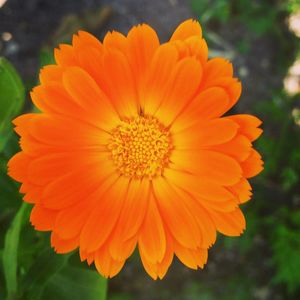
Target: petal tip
(187, 29)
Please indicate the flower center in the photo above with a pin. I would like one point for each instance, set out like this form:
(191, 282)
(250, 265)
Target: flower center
(140, 147)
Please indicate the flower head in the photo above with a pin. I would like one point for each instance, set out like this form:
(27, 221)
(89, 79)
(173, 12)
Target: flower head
(132, 149)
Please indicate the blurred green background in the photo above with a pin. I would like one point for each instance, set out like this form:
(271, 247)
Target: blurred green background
(262, 39)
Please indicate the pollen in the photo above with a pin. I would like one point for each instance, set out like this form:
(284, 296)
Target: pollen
(140, 147)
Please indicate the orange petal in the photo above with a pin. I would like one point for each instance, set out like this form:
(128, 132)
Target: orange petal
(248, 125)
(151, 269)
(162, 64)
(142, 44)
(53, 166)
(123, 94)
(106, 265)
(70, 221)
(213, 166)
(121, 250)
(65, 56)
(104, 217)
(33, 147)
(63, 246)
(52, 98)
(177, 217)
(231, 85)
(25, 187)
(90, 59)
(22, 123)
(159, 269)
(18, 166)
(220, 206)
(217, 67)
(209, 104)
(37, 97)
(134, 209)
(34, 194)
(242, 190)
(43, 219)
(203, 134)
(67, 134)
(89, 257)
(253, 165)
(152, 237)
(116, 40)
(162, 267)
(51, 73)
(239, 147)
(187, 29)
(205, 223)
(84, 90)
(198, 48)
(180, 89)
(85, 39)
(182, 48)
(75, 186)
(123, 239)
(192, 258)
(230, 223)
(198, 186)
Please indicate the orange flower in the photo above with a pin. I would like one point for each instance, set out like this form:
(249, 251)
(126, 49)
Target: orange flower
(131, 148)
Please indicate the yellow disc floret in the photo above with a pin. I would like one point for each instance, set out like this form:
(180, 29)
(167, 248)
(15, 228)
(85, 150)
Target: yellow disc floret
(140, 147)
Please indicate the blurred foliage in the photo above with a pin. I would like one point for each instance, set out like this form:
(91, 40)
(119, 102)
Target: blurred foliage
(12, 98)
(276, 207)
(293, 5)
(285, 243)
(259, 16)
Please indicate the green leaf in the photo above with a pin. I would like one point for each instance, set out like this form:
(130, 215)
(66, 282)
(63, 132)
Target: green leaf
(12, 95)
(76, 283)
(46, 265)
(285, 257)
(10, 252)
(289, 177)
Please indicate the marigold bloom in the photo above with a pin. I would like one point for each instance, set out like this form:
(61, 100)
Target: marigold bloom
(131, 148)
